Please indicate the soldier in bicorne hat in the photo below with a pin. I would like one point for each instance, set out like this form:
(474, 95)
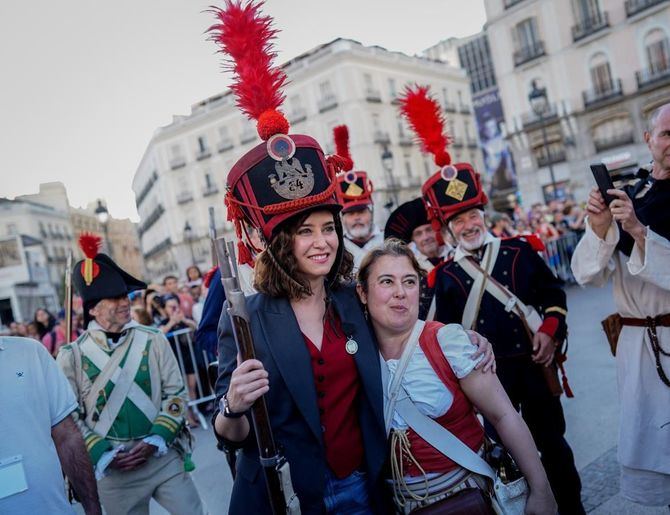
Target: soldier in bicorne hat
(355, 194)
(506, 292)
(131, 395)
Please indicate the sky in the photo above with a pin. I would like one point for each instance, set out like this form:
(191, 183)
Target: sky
(85, 83)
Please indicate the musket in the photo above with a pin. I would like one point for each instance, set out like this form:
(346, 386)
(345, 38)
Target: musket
(275, 466)
(212, 235)
(68, 298)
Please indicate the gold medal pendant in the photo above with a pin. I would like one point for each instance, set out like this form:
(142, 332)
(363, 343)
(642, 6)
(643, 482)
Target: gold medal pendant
(351, 346)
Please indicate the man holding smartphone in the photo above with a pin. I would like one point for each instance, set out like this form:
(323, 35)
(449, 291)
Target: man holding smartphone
(629, 239)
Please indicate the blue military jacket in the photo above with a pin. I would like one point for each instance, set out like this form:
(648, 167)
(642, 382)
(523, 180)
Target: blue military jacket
(522, 271)
(292, 402)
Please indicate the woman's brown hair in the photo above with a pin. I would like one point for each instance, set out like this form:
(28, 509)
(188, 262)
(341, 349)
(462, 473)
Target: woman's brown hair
(392, 247)
(276, 270)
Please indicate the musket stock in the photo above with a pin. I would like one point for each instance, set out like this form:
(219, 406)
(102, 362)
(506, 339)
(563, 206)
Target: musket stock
(277, 473)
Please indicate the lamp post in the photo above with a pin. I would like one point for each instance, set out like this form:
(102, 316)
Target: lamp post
(102, 215)
(188, 237)
(540, 104)
(387, 164)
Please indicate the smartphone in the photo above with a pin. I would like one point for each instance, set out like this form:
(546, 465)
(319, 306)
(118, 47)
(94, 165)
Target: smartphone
(604, 181)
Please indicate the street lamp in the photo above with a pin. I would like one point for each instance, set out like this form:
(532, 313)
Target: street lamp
(539, 103)
(387, 164)
(188, 237)
(102, 215)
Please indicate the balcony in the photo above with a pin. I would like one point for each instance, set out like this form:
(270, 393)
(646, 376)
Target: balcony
(297, 115)
(405, 140)
(224, 145)
(617, 140)
(327, 103)
(157, 249)
(177, 162)
(472, 142)
(550, 157)
(184, 197)
(457, 142)
(590, 25)
(528, 53)
(511, 3)
(600, 96)
(652, 77)
(211, 189)
(637, 6)
(464, 109)
(395, 99)
(373, 95)
(203, 153)
(449, 107)
(382, 137)
(153, 217)
(248, 136)
(529, 120)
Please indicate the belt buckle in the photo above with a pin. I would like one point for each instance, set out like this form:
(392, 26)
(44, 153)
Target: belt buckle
(510, 304)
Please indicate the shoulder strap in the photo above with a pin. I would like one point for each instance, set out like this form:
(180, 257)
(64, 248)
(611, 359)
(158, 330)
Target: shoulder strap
(442, 439)
(479, 284)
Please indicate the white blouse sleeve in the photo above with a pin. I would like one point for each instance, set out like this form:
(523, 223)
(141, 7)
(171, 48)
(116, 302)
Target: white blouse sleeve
(458, 349)
(592, 260)
(651, 265)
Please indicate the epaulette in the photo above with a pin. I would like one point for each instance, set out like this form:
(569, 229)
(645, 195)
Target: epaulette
(533, 240)
(431, 278)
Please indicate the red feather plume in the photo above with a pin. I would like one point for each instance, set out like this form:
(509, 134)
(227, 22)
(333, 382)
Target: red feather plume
(245, 36)
(425, 117)
(90, 244)
(341, 136)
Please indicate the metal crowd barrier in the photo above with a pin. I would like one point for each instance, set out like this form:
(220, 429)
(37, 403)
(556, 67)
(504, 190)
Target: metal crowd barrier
(558, 253)
(204, 393)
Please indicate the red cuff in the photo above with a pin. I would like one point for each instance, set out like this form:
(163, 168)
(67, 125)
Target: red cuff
(550, 326)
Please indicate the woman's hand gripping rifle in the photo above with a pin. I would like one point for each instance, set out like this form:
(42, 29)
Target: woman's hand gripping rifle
(277, 473)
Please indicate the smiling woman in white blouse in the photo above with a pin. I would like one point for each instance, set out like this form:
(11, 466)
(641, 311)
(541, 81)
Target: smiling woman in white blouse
(433, 364)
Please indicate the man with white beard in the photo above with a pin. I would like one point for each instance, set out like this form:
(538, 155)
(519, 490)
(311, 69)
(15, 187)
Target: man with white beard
(504, 290)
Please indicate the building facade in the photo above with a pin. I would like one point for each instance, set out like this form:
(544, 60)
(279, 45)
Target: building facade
(182, 173)
(604, 65)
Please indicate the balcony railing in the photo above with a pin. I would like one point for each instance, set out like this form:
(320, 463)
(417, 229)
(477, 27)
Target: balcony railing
(449, 107)
(184, 196)
(511, 3)
(464, 109)
(382, 137)
(203, 153)
(212, 189)
(177, 162)
(326, 103)
(247, 136)
(405, 140)
(224, 145)
(590, 25)
(373, 95)
(526, 54)
(617, 140)
(551, 157)
(153, 217)
(157, 249)
(395, 99)
(472, 143)
(457, 142)
(297, 115)
(599, 96)
(529, 119)
(657, 75)
(636, 6)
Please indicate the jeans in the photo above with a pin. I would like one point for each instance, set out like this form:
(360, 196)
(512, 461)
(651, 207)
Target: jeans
(347, 495)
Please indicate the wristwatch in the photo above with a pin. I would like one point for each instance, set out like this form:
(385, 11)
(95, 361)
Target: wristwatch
(225, 409)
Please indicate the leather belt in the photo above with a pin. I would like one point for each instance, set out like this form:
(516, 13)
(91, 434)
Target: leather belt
(658, 321)
(651, 323)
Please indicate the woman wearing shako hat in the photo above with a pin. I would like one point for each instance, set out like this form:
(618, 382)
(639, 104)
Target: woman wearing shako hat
(317, 364)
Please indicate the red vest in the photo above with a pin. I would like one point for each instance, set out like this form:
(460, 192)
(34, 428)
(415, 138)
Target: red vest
(460, 418)
(337, 389)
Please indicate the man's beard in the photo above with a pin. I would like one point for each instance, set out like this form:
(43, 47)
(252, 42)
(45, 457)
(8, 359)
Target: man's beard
(359, 232)
(471, 245)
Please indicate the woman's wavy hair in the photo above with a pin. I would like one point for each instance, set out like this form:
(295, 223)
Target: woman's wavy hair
(391, 247)
(276, 270)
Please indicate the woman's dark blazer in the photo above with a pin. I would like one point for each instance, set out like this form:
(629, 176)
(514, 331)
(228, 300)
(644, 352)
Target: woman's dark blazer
(292, 402)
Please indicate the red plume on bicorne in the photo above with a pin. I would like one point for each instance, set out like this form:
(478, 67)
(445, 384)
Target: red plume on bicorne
(90, 244)
(425, 117)
(245, 35)
(341, 136)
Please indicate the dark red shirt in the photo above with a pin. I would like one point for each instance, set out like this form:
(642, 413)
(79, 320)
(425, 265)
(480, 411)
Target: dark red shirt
(337, 389)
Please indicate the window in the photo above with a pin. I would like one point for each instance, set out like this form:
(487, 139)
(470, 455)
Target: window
(11, 230)
(175, 150)
(445, 97)
(585, 10)
(408, 166)
(223, 132)
(208, 181)
(392, 88)
(375, 121)
(368, 80)
(326, 89)
(202, 144)
(525, 34)
(601, 76)
(657, 50)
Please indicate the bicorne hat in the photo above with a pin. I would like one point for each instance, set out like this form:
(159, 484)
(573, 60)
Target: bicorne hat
(286, 174)
(354, 187)
(407, 217)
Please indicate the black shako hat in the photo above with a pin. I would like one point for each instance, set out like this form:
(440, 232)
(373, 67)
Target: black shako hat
(405, 219)
(97, 277)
